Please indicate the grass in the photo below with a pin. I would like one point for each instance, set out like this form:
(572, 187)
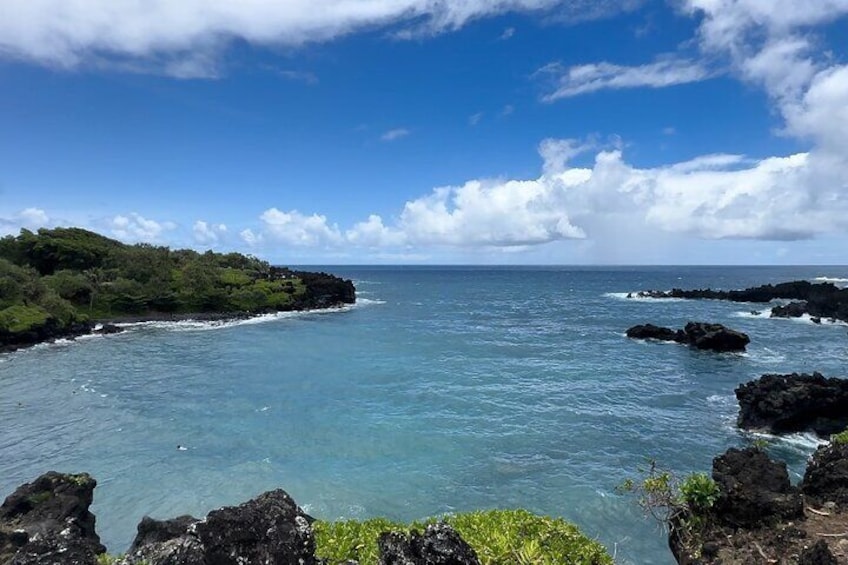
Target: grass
(500, 537)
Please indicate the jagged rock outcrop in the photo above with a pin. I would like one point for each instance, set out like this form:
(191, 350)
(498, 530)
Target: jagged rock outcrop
(439, 545)
(271, 529)
(826, 477)
(712, 337)
(783, 404)
(48, 521)
(754, 490)
(822, 300)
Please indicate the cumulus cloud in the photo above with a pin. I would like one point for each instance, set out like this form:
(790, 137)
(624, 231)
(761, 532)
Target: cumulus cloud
(583, 79)
(395, 134)
(717, 196)
(208, 234)
(185, 38)
(296, 229)
(29, 218)
(136, 228)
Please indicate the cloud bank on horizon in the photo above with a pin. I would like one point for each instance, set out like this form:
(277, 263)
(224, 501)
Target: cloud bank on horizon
(772, 46)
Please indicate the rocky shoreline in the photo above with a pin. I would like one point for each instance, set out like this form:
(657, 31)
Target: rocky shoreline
(48, 522)
(817, 300)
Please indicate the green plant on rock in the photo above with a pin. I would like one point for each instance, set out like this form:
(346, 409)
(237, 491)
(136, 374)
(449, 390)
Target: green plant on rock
(699, 492)
(499, 537)
(840, 439)
(667, 499)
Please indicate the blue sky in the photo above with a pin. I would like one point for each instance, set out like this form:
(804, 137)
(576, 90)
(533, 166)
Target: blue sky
(412, 131)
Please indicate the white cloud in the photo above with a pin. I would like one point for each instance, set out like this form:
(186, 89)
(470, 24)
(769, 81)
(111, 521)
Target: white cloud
(251, 238)
(185, 37)
(296, 229)
(583, 79)
(395, 134)
(208, 234)
(474, 119)
(136, 228)
(372, 233)
(507, 33)
(29, 218)
(507, 110)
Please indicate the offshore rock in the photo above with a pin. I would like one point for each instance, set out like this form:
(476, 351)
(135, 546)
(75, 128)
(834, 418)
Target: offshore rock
(48, 521)
(715, 337)
(826, 478)
(440, 545)
(754, 490)
(782, 404)
(270, 529)
(650, 331)
(700, 335)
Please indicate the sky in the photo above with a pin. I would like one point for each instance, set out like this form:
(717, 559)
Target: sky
(433, 131)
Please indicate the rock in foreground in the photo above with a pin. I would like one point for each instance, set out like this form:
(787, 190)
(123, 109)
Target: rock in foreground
(439, 545)
(782, 404)
(760, 518)
(712, 337)
(826, 478)
(754, 490)
(269, 529)
(47, 521)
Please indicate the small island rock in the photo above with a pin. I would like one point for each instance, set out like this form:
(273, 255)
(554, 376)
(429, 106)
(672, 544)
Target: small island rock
(700, 335)
(782, 404)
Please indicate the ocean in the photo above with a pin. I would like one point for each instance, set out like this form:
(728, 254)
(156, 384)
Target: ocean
(444, 389)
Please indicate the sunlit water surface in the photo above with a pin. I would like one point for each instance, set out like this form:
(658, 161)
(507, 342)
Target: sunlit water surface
(443, 390)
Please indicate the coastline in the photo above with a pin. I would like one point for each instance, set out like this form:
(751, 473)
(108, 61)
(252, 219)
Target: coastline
(116, 324)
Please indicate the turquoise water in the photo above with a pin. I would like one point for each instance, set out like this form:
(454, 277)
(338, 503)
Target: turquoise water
(444, 389)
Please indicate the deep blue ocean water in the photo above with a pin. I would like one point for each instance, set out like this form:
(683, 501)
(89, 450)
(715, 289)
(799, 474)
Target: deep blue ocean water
(444, 389)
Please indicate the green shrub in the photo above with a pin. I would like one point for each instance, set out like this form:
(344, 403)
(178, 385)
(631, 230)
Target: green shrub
(500, 537)
(699, 492)
(840, 439)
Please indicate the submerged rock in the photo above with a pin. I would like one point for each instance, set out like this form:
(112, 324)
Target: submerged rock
(700, 335)
(754, 490)
(783, 404)
(439, 545)
(48, 521)
(270, 529)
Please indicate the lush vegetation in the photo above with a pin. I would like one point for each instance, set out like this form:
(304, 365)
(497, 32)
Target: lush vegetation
(64, 276)
(500, 537)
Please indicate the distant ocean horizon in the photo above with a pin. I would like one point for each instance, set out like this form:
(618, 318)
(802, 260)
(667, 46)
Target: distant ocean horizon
(444, 389)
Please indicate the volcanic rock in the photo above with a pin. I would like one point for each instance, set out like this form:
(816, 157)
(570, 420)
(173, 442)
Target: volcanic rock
(48, 521)
(268, 529)
(782, 404)
(754, 490)
(440, 545)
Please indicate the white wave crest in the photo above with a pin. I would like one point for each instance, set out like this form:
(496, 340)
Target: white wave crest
(634, 296)
(208, 325)
(764, 313)
(804, 441)
(841, 282)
